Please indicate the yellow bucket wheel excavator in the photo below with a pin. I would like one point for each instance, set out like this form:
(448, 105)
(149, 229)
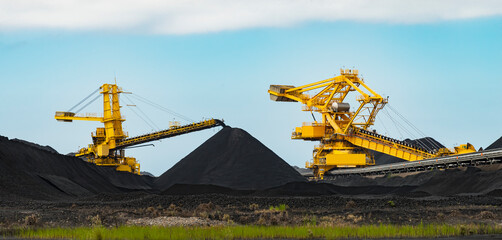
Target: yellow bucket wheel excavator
(344, 135)
(109, 142)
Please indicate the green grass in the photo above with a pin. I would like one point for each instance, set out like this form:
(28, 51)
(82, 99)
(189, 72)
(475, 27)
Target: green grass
(243, 232)
(280, 208)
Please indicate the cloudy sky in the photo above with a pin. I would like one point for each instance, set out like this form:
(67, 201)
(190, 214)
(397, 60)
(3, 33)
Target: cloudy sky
(438, 61)
(189, 17)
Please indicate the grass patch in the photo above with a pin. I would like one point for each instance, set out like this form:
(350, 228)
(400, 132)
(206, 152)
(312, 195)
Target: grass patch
(280, 208)
(243, 232)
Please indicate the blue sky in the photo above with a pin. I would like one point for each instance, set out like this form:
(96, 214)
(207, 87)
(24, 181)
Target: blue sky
(442, 75)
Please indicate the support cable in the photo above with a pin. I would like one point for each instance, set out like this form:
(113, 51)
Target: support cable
(144, 120)
(407, 121)
(83, 100)
(399, 131)
(384, 127)
(89, 103)
(171, 112)
(417, 140)
(433, 143)
(151, 123)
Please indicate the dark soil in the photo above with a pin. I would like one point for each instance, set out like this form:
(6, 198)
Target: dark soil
(117, 209)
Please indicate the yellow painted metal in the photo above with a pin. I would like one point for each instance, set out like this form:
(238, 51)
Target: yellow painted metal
(109, 141)
(335, 90)
(386, 145)
(343, 134)
(69, 117)
(172, 131)
(345, 159)
(310, 131)
(337, 120)
(464, 148)
(103, 151)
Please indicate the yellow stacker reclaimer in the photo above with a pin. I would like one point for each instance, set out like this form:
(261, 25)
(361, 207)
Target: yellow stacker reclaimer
(344, 135)
(109, 142)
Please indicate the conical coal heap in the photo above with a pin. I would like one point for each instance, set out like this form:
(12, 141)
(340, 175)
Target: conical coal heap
(234, 159)
(496, 144)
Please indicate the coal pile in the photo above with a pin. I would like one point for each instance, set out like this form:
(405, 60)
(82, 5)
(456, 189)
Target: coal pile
(382, 158)
(458, 181)
(304, 171)
(34, 172)
(232, 162)
(44, 148)
(496, 144)
(470, 181)
(427, 143)
(234, 159)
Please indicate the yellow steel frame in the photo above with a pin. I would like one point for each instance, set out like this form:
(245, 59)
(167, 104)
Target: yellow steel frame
(345, 138)
(109, 141)
(69, 117)
(386, 145)
(343, 135)
(103, 151)
(336, 90)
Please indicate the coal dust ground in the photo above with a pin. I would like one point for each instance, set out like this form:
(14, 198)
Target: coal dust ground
(232, 178)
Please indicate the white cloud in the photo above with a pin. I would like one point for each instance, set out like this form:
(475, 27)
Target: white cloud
(201, 16)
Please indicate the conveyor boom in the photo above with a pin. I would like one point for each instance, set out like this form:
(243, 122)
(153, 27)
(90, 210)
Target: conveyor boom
(171, 132)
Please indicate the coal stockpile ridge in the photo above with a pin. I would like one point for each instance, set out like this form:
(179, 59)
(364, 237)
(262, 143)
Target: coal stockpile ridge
(44, 148)
(427, 143)
(31, 172)
(471, 181)
(323, 188)
(463, 181)
(234, 159)
(496, 144)
(202, 189)
(382, 158)
(295, 189)
(232, 162)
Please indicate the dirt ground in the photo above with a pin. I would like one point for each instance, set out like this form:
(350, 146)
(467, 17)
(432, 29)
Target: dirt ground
(218, 209)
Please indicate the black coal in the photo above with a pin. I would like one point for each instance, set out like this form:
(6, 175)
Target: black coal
(234, 159)
(231, 162)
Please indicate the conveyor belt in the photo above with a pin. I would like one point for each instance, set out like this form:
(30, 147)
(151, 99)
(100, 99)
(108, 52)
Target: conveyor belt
(376, 142)
(171, 132)
(469, 159)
